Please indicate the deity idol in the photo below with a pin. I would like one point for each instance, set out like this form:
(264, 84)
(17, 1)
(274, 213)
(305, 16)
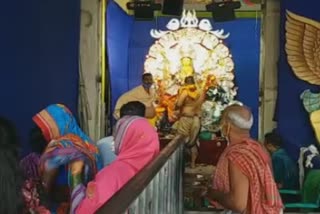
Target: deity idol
(186, 68)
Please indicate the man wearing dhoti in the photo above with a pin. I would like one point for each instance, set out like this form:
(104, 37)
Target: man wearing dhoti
(188, 105)
(143, 93)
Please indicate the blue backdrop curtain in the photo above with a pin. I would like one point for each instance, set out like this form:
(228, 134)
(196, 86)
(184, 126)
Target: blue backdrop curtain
(129, 42)
(39, 49)
(293, 120)
(119, 27)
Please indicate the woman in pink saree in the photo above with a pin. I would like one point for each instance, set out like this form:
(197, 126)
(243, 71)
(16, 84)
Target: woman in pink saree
(136, 144)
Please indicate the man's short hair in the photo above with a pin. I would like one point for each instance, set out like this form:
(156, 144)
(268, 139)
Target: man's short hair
(133, 108)
(273, 138)
(146, 75)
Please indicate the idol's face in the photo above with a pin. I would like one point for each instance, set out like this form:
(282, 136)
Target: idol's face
(186, 61)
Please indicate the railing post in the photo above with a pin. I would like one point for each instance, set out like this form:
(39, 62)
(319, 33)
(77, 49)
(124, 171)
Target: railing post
(156, 182)
(149, 197)
(164, 194)
(142, 202)
(180, 178)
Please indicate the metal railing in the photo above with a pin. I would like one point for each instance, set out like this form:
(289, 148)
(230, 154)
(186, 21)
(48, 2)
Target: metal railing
(157, 189)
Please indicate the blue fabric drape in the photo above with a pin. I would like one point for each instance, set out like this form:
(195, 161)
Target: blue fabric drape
(40, 45)
(244, 43)
(119, 26)
(293, 120)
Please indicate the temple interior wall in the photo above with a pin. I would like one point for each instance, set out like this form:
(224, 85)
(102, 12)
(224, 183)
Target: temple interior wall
(90, 64)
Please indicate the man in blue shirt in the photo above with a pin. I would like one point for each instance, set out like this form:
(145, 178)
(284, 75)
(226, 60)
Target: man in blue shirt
(285, 170)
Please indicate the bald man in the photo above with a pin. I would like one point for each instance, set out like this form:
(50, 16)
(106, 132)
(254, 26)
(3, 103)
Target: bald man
(243, 180)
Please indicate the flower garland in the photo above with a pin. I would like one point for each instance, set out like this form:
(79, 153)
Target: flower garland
(218, 98)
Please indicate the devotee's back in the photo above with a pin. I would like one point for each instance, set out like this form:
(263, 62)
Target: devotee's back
(243, 180)
(136, 144)
(285, 171)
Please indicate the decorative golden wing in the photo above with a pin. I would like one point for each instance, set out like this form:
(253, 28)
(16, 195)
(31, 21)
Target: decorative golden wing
(303, 47)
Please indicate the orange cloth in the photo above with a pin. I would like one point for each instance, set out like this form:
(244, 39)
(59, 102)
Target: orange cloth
(254, 162)
(169, 102)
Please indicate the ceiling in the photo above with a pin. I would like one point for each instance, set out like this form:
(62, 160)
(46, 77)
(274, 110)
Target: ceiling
(200, 5)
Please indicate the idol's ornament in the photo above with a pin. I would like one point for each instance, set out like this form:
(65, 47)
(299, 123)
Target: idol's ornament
(190, 47)
(303, 54)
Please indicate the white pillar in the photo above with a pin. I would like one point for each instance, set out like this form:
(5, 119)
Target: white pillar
(269, 64)
(90, 64)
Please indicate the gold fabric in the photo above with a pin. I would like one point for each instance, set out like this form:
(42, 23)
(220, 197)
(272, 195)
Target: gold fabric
(187, 68)
(189, 127)
(136, 94)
